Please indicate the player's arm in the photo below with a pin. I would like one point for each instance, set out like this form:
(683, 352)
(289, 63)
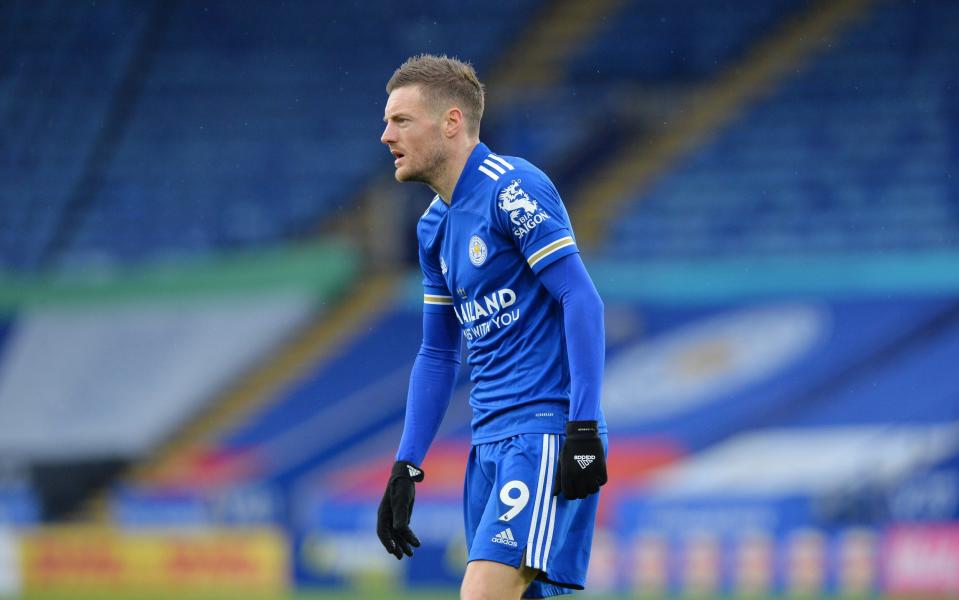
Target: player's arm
(431, 384)
(582, 463)
(528, 209)
(569, 283)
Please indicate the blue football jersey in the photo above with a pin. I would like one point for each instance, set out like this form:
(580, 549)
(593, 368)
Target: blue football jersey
(479, 256)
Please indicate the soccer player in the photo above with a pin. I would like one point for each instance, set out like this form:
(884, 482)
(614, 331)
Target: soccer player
(500, 268)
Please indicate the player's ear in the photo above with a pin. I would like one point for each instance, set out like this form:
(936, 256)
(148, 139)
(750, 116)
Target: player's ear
(453, 122)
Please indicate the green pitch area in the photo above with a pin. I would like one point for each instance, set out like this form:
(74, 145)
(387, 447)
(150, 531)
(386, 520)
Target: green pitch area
(341, 595)
(451, 595)
(414, 596)
(377, 594)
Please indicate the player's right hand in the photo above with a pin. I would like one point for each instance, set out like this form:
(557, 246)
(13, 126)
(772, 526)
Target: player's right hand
(396, 508)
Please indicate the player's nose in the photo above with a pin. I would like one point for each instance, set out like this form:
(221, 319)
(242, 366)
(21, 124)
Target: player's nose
(389, 134)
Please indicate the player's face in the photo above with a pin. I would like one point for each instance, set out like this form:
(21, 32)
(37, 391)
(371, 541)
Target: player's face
(413, 135)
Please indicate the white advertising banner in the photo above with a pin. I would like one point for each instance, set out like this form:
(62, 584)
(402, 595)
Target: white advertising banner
(115, 381)
(9, 565)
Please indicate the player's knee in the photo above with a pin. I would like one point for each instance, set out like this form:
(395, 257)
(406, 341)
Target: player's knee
(491, 581)
(476, 590)
(469, 593)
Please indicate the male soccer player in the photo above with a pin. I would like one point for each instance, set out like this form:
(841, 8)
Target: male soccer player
(501, 268)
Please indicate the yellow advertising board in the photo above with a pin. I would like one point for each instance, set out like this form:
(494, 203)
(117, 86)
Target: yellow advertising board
(88, 560)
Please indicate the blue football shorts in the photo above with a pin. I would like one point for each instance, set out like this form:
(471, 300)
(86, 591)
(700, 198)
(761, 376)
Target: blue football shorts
(512, 516)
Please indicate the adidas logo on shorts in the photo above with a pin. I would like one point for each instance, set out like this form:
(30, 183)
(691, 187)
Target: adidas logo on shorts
(584, 460)
(505, 537)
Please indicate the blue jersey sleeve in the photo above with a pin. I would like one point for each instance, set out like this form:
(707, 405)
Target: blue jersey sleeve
(436, 295)
(431, 384)
(531, 213)
(584, 330)
(436, 364)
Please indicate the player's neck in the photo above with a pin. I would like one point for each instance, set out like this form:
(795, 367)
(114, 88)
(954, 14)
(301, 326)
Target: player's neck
(450, 176)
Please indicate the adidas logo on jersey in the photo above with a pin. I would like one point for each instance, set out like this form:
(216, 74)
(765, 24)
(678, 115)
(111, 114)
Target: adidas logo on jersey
(413, 471)
(505, 537)
(584, 460)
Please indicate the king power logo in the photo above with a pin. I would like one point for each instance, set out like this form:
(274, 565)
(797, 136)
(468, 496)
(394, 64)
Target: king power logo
(584, 460)
(480, 316)
(524, 212)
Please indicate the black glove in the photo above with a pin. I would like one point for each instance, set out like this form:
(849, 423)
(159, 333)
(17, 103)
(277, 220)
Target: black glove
(396, 508)
(582, 461)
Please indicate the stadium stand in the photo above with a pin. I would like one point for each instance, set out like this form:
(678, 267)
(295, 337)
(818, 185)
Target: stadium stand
(60, 65)
(791, 432)
(356, 387)
(299, 404)
(700, 382)
(662, 41)
(233, 134)
(850, 155)
(830, 352)
(624, 80)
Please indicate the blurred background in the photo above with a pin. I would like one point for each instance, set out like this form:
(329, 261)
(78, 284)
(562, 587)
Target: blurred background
(209, 302)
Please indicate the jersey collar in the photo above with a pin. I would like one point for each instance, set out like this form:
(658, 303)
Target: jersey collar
(467, 179)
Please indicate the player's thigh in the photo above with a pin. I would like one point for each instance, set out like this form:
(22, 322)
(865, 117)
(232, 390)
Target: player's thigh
(521, 473)
(488, 580)
(477, 487)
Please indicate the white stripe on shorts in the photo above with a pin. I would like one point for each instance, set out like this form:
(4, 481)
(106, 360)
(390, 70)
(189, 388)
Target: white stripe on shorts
(539, 494)
(549, 536)
(545, 524)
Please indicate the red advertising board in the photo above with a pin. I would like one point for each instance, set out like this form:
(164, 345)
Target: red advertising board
(922, 560)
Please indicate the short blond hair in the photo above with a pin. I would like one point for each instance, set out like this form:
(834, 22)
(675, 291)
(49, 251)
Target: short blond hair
(444, 80)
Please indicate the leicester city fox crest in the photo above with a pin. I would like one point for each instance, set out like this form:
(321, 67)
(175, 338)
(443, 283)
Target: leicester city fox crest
(477, 251)
(513, 200)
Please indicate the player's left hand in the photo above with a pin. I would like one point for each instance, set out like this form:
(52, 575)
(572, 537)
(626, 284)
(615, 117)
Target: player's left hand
(582, 461)
(396, 509)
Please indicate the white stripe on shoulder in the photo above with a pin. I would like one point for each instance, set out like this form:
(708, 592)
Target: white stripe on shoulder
(501, 161)
(495, 166)
(538, 497)
(549, 249)
(489, 173)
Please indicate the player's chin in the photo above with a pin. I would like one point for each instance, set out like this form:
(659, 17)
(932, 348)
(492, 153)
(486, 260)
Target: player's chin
(403, 174)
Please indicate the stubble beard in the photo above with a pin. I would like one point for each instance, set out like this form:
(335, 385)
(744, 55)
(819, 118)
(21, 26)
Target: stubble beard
(434, 161)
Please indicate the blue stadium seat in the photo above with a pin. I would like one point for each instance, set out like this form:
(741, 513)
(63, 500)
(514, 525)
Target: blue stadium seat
(252, 124)
(60, 63)
(660, 40)
(852, 154)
